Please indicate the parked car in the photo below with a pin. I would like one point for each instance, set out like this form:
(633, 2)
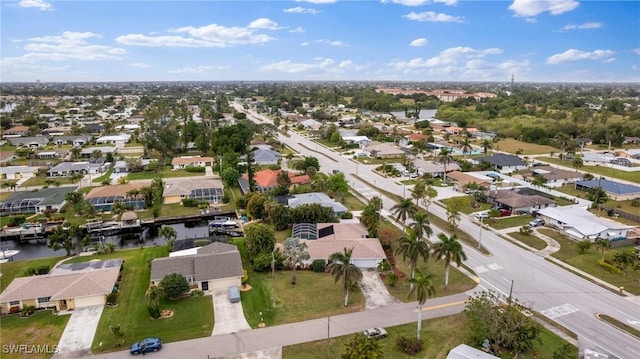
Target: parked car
(375, 333)
(481, 215)
(145, 346)
(413, 175)
(536, 222)
(505, 213)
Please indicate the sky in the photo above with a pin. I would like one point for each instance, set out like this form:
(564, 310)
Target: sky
(320, 40)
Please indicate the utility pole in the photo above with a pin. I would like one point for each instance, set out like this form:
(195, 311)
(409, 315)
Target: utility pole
(480, 237)
(510, 292)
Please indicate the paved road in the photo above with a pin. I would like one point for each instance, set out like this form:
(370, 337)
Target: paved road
(557, 293)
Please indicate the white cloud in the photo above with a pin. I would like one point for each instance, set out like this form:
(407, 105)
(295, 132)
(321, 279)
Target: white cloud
(636, 51)
(306, 43)
(40, 4)
(139, 65)
(531, 20)
(586, 25)
(321, 66)
(609, 60)
(212, 35)
(300, 10)
(318, 1)
(297, 30)
(452, 56)
(529, 8)
(197, 69)
(69, 46)
(447, 2)
(335, 43)
(263, 23)
(572, 55)
(419, 42)
(431, 16)
(419, 2)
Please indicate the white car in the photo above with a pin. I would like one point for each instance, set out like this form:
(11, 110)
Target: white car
(481, 215)
(536, 222)
(375, 333)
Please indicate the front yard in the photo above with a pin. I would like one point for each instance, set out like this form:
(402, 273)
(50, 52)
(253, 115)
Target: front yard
(43, 329)
(508, 222)
(165, 172)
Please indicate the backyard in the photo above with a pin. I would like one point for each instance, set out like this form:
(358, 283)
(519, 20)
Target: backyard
(588, 262)
(14, 269)
(165, 172)
(512, 146)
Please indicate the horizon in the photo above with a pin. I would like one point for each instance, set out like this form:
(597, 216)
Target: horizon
(537, 41)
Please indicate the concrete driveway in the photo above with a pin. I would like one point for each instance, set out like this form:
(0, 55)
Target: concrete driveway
(229, 317)
(375, 293)
(78, 335)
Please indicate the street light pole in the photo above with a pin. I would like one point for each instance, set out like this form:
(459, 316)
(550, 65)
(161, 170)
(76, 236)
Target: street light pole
(480, 237)
(273, 278)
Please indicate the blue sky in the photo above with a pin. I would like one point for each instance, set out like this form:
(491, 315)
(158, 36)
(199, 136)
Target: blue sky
(403, 40)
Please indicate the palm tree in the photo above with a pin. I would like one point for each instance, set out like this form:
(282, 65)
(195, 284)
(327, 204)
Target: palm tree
(342, 268)
(153, 295)
(624, 260)
(445, 158)
(577, 163)
(421, 225)
(294, 253)
(449, 249)
(418, 191)
(486, 145)
(422, 285)
(403, 210)
(169, 234)
(562, 140)
(465, 146)
(602, 244)
(413, 248)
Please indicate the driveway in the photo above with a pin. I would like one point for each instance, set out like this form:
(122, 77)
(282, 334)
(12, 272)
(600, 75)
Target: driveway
(78, 334)
(375, 293)
(229, 317)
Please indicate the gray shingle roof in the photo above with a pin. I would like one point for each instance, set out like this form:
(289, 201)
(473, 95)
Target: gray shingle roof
(223, 264)
(502, 160)
(610, 186)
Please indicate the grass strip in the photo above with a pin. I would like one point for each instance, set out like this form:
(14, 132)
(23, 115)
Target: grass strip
(318, 152)
(620, 325)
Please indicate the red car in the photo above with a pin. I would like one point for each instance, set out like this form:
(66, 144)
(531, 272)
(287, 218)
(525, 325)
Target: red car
(505, 213)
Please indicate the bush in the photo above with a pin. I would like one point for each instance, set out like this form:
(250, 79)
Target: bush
(262, 262)
(225, 197)
(28, 311)
(526, 230)
(190, 202)
(44, 269)
(154, 312)
(384, 266)
(635, 202)
(197, 293)
(195, 169)
(392, 279)
(318, 265)
(112, 298)
(347, 215)
(174, 285)
(609, 267)
(409, 346)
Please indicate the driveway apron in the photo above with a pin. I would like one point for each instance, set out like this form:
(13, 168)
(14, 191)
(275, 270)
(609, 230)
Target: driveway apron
(375, 293)
(78, 335)
(229, 317)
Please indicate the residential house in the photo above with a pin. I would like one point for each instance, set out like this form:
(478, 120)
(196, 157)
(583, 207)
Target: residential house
(317, 198)
(502, 162)
(75, 141)
(464, 351)
(116, 140)
(48, 155)
(214, 267)
(105, 151)
(38, 201)
(30, 142)
(311, 124)
(434, 169)
(580, 224)
(203, 190)
(614, 190)
(121, 167)
(93, 128)
(267, 180)
(631, 140)
(67, 169)
(7, 156)
(632, 153)
(382, 150)
(17, 172)
(589, 158)
(462, 179)
(324, 239)
(16, 131)
(102, 198)
(67, 287)
(557, 177)
(264, 157)
(520, 200)
(191, 161)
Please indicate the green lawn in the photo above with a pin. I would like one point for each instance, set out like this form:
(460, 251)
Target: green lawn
(43, 329)
(41, 180)
(512, 146)
(177, 209)
(193, 317)
(508, 222)
(166, 172)
(468, 208)
(353, 203)
(103, 177)
(588, 262)
(530, 240)
(598, 170)
(14, 269)
(439, 335)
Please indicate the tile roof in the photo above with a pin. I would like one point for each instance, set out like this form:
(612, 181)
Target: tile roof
(184, 186)
(365, 248)
(189, 160)
(116, 189)
(342, 231)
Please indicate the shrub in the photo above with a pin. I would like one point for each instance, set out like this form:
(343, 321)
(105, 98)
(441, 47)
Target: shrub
(384, 266)
(28, 311)
(318, 265)
(347, 215)
(409, 346)
(225, 197)
(112, 298)
(195, 169)
(190, 202)
(197, 293)
(526, 230)
(154, 312)
(174, 285)
(392, 279)
(44, 269)
(609, 267)
(262, 262)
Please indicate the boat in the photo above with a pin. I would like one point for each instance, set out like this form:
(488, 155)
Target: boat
(222, 223)
(7, 254)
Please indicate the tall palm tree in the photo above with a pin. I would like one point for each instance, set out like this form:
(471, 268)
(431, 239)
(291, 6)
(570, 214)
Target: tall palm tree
(412, 248)
(421, 225)
(342, 269)
(465, 146)
(486, 145)
(449, 249)
(445, 158)
(403, 210)
(422, 285)
(294, 253)
(562, 140)
(602, 244)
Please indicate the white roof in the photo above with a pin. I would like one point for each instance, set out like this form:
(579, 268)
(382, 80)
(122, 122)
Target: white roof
(597, 157)
(121, 137)
(356, 138)
(581, 220)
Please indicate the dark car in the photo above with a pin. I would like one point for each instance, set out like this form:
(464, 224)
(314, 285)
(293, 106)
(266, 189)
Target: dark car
(375, 333)
(146, 345)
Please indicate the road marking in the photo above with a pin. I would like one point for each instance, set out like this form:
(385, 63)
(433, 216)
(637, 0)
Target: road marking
(480, 269)
(445, 305)
(489, 267)
(559, 311)
(494, 266)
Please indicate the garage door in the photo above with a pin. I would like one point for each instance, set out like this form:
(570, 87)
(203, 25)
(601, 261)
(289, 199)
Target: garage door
(89, 301)
(224, 283)
(365, 263)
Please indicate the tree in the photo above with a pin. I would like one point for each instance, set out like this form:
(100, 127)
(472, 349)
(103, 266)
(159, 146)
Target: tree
(429, 194)
(625, 259)
(597, 195)
(449, 249)
(421, 225)
(75, 152)
(76, 178)
(584, 245)
(403, 210)
(422, 285)
(577, 163)
(486, 145)
(153, 295)
(538, 181)
(371, 217)
(168, 234)
(412, 248)
(465, 146)
(342, 269)
(337, 185)
(294, 253)
(255, 206)
(445, 158)
(453, 210)
(602, 244)
(259, 238)
(419, 191)
(174, 285)
(10, 184)
(361, 347)
(64, 238)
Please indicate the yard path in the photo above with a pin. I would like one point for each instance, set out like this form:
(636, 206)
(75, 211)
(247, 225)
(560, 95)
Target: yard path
(375, 293)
